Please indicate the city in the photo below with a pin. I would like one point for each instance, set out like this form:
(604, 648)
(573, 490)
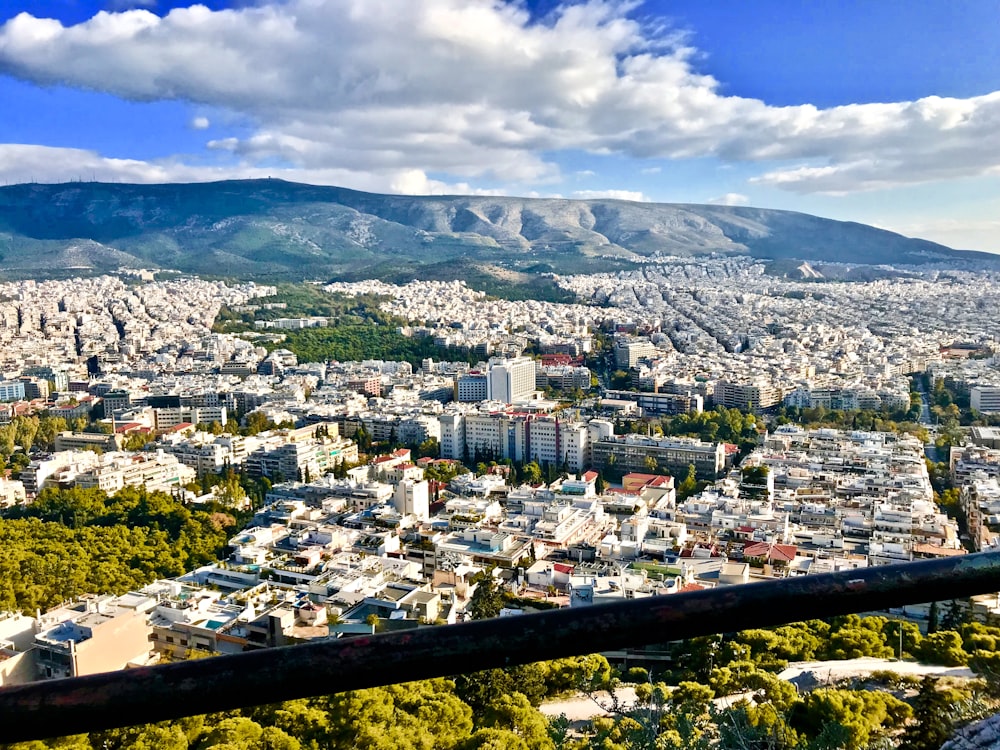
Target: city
(630, 445)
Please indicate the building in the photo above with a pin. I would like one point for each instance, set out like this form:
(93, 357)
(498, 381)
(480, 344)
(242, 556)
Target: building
(114, 401)
(674, 455)
(154, 471)
(521, 437)
(11, 390)
(629, 352)
(98, 634)
(752, 396)
(660, 403)
(510, 380)
(985, 398)
(452, 439)
(82, 441)
(471, 387)
(170, 417)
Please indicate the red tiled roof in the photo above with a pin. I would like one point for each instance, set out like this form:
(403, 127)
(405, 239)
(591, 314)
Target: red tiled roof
(589, 476)
(777, 552)
(636, 475)
(562, 568)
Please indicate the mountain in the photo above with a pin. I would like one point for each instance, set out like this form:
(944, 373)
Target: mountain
(272, 228)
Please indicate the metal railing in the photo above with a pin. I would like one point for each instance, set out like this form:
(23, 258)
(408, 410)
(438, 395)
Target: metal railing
(150, 694)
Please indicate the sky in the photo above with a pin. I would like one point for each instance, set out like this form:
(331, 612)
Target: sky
(885, 113)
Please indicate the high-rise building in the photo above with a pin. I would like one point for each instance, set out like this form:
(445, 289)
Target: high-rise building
(510, 380)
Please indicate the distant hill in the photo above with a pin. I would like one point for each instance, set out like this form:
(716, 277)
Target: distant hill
(272, 228)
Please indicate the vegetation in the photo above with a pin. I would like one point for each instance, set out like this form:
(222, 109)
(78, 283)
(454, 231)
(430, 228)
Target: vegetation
(719, 424)
(79, 541)
(357, 329)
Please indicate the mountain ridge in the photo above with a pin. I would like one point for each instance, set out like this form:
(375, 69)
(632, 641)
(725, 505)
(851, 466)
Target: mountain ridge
(255, 228)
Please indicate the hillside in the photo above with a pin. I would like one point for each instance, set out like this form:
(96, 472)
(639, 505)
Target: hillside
(262, 228)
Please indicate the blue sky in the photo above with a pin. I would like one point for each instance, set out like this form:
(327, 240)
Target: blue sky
(882, 112)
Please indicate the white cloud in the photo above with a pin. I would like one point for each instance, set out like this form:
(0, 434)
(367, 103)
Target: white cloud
(730, 199)
(583, 173)
(619, 195)
(200, 123)
(475, 90)
(46, 164)
(650, 170)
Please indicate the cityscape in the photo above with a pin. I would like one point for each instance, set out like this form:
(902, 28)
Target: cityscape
(348, 323)
(681, 427)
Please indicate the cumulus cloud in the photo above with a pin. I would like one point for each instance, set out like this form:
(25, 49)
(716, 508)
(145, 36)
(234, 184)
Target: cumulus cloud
(730, 199)
(200, 123)
(619, 195)
(475, 89)
(47, 164)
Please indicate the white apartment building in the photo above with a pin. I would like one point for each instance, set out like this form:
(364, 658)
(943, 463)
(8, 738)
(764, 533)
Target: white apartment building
(510, 380)
(985, 398)
(521, 437)
(471, 387)
(755, 396)
(167, 418)
(154, 471)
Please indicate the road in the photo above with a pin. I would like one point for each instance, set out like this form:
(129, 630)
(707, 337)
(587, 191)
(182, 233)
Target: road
(582, 707)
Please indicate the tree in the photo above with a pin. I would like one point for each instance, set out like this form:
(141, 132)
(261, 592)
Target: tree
(865, 716)
(931, 709)
(599, 484)
(487, 599)
(256, 422)
(943, 647)
(532, 473)
(230, 492)
(689, 485)
(513, 712)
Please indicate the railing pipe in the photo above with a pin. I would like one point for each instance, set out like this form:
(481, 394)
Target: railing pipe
(158, 693)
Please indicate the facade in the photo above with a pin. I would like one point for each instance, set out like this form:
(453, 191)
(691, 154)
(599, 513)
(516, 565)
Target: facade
(92, 636)
(11, 390)
(471, 387)
(81, 441)
(636, 453)
(985, 398)
(510, 380)
(629, 352)
(753, 396)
